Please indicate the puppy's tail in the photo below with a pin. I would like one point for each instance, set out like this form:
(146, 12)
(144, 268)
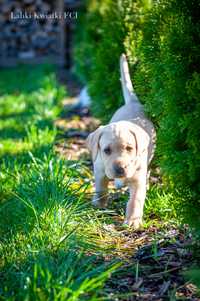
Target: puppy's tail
(127, 87)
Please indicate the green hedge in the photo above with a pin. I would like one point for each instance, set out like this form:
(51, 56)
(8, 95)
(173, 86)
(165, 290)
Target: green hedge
(161, 40)
(168, 53)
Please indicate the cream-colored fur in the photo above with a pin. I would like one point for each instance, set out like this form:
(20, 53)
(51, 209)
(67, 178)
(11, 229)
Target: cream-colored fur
(122, 151)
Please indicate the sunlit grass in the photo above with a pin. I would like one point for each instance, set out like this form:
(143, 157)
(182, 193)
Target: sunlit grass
(48, 228)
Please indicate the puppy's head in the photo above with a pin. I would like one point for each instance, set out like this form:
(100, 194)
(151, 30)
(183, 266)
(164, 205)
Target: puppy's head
(119, 145)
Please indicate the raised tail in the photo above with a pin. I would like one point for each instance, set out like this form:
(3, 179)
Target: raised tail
(127, 87)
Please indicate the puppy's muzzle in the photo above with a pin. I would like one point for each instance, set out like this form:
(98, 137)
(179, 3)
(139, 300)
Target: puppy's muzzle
(118, 170)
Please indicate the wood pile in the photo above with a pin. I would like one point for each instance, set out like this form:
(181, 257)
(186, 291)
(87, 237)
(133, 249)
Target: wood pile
(25, 30)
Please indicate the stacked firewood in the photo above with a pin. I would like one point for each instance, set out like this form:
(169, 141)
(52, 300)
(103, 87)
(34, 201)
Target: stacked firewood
(27, 30)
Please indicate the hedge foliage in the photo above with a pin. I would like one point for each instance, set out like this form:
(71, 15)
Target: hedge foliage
(161, 39)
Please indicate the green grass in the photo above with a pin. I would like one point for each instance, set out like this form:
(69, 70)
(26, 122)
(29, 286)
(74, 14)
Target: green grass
(53, 244)
(47, 226)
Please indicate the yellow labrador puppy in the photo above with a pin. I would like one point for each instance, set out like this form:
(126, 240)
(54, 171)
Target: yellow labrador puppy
(122, 150)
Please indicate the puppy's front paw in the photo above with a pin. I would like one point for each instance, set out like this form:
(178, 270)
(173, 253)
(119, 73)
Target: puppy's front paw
(136, 223)
(99, 201)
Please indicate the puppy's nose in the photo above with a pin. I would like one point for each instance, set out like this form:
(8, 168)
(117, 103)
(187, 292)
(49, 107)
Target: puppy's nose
(119, 170)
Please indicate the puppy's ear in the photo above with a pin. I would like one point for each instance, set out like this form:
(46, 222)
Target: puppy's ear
(142, 139)
(92, 142)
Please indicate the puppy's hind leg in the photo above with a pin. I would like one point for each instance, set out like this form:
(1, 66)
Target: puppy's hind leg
(101, 186)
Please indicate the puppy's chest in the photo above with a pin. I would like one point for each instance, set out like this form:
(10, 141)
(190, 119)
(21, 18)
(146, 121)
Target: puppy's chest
(119, 183)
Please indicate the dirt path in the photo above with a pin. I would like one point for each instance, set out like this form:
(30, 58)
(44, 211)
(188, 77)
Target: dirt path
(159, 254)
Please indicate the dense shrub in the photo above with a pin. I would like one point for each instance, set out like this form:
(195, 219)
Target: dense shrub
(161, 40)
(169, 62)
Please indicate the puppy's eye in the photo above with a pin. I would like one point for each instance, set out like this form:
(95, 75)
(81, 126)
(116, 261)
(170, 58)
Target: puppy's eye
(129, 148)
(107, 150)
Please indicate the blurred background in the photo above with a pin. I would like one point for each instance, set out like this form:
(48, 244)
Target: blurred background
(28, 36)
